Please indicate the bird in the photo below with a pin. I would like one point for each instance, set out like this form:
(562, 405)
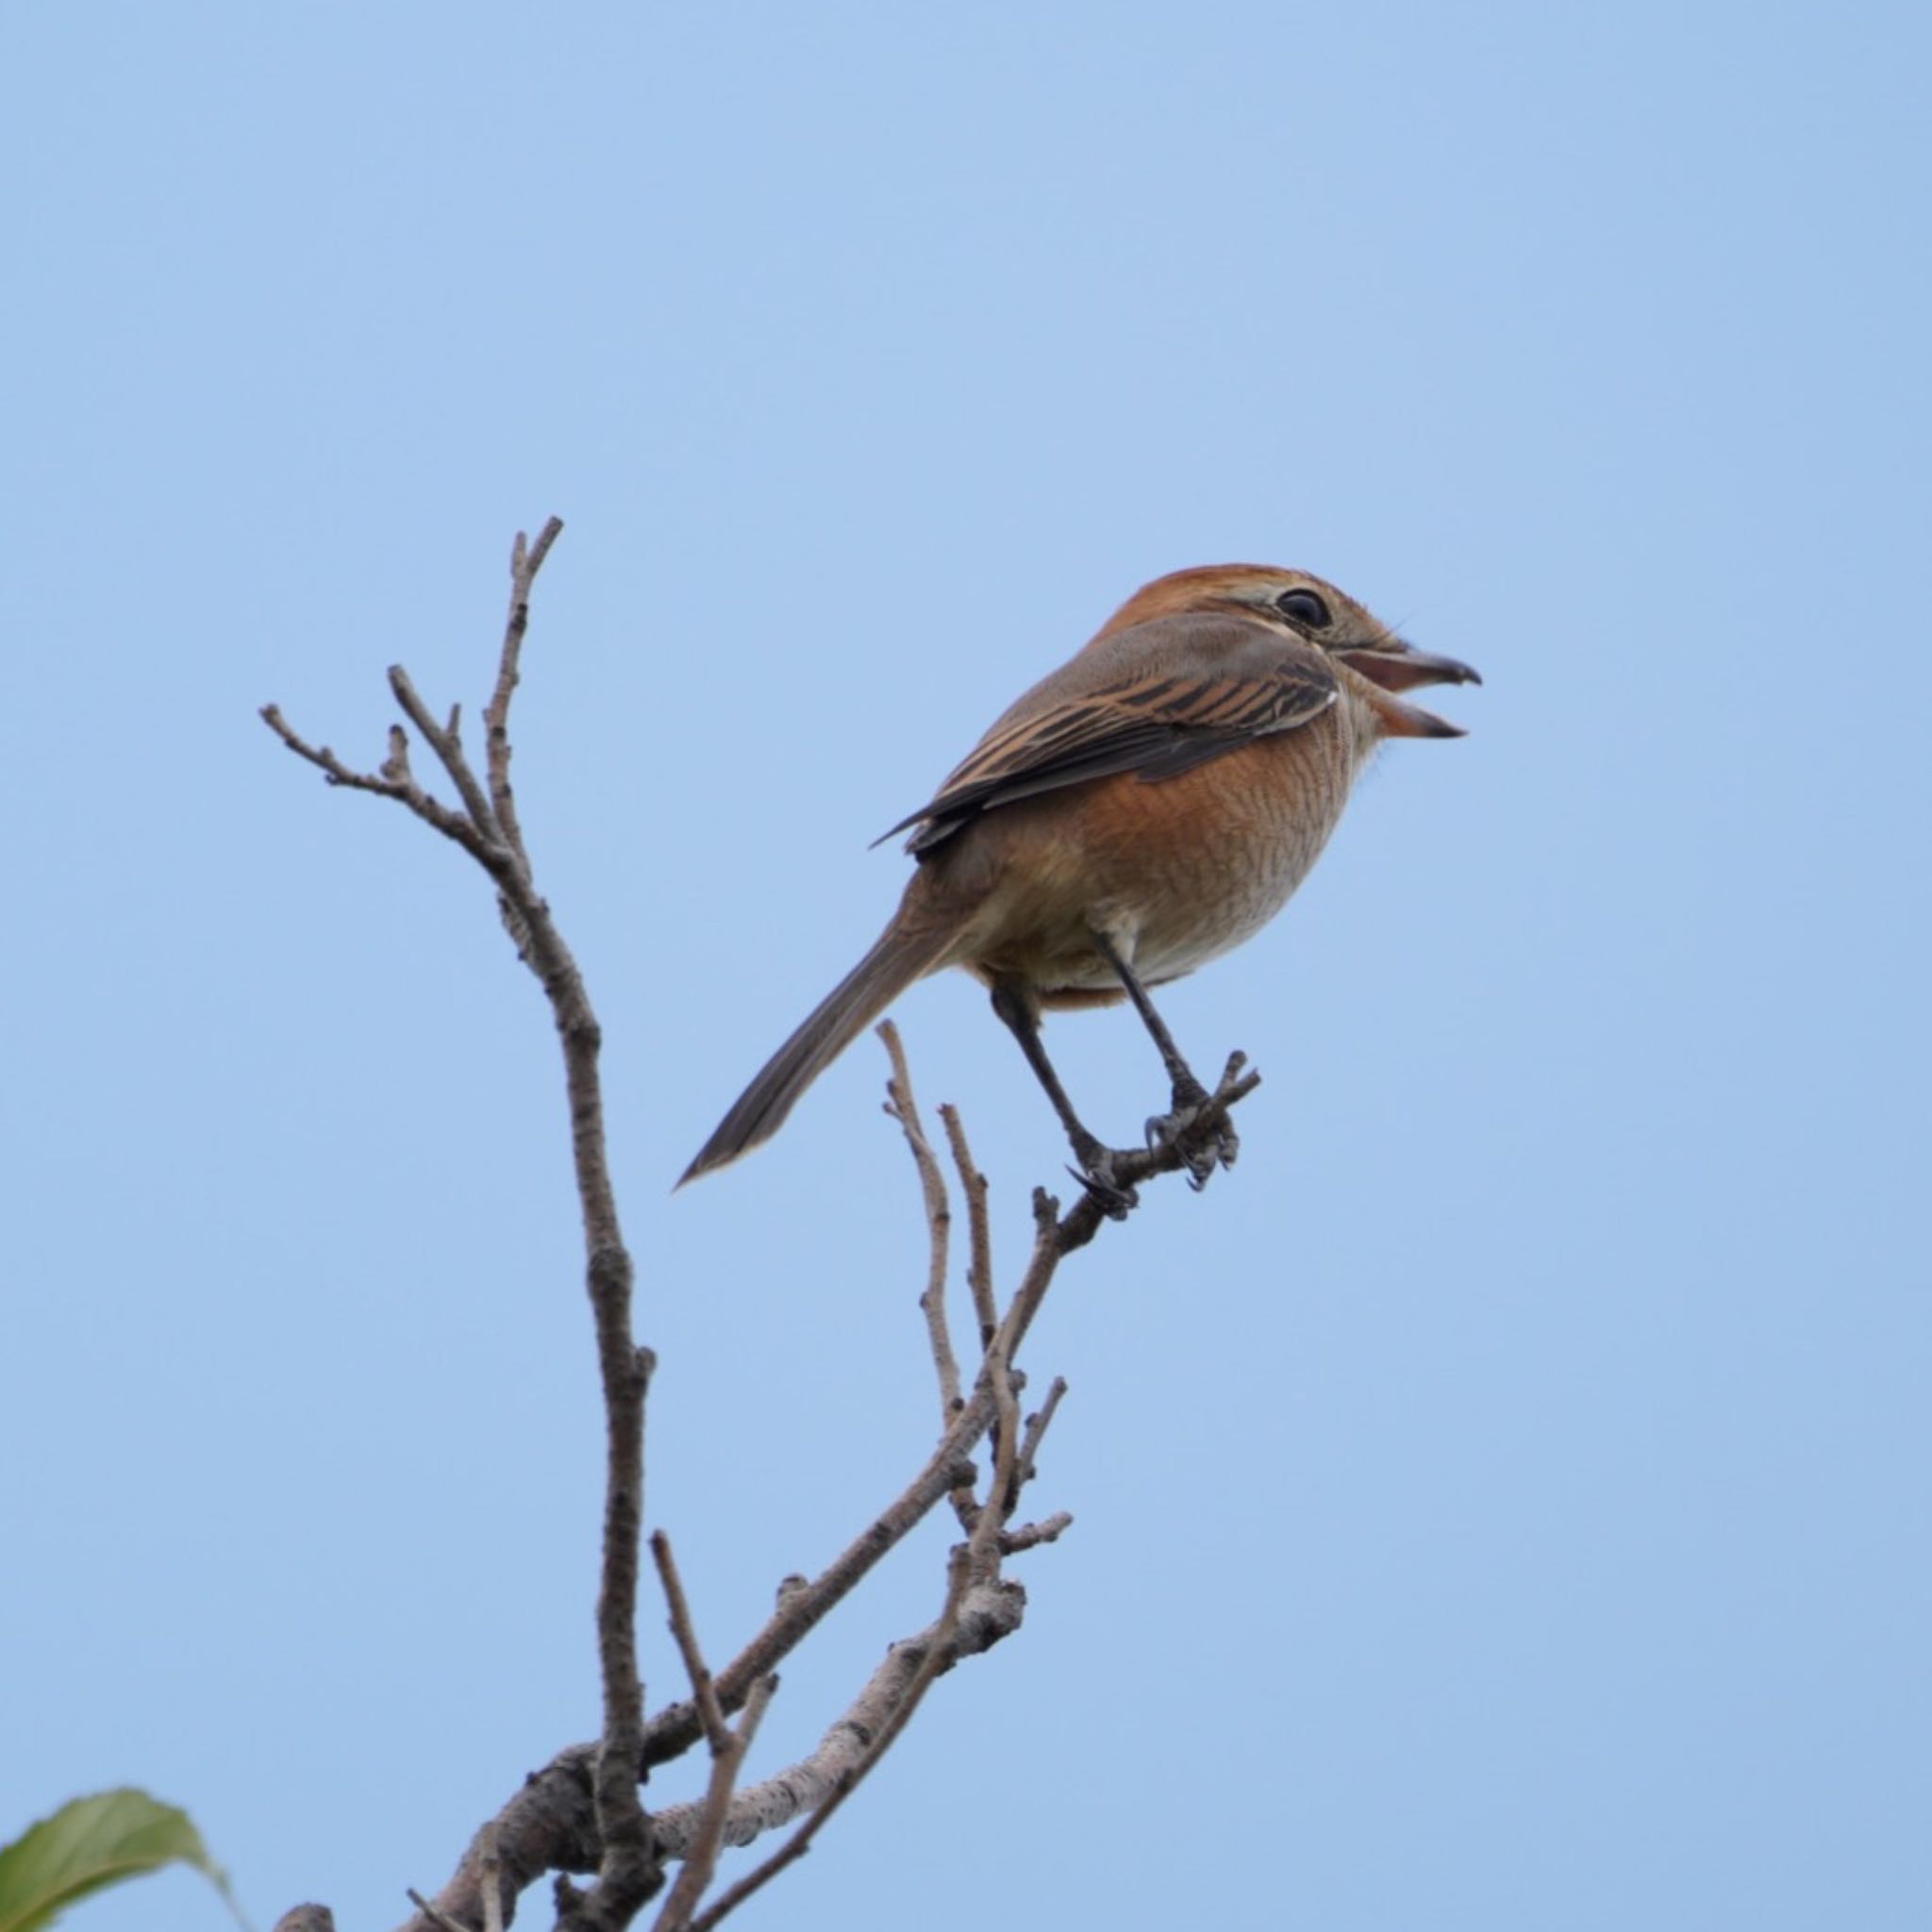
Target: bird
(1140, 811)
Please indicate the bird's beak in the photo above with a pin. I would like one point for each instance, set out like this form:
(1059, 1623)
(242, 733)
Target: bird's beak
(1392, 665)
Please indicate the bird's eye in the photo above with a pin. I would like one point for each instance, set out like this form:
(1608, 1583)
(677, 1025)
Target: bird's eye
(1304, 608)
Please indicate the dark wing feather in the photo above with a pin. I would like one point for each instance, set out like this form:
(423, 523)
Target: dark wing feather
(1157, 723)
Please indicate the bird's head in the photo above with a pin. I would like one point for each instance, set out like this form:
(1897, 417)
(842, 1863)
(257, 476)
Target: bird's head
(1368, 655)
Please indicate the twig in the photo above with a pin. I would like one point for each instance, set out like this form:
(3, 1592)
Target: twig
(524, 564)
(441, 1921)
(446, 742)
(728, 1747)
(1001, 1490)
(490, 1867)
(1049, 1529)
(979, 1241)
(1041, 1266)
(939, 1219)
(707, 1837)
(1037, 1425)
(717, 1734)
(393, 781)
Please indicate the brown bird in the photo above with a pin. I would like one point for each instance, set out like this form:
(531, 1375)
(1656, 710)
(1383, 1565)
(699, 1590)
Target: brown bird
(1147, 807)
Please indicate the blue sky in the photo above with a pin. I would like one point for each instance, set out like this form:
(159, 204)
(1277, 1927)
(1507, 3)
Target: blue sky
(1500, 1503)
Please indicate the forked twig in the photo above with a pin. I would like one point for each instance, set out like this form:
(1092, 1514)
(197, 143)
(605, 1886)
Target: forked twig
(486, 828)
(728, 1748)
(904, 1108)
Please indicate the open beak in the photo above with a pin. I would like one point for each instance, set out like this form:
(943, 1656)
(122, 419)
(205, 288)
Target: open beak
(1393, 666)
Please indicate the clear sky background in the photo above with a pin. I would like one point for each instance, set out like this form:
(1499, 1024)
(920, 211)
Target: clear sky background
(1501, 1502)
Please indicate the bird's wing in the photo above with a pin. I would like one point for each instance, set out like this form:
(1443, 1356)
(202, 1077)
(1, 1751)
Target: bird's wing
(1157, 701)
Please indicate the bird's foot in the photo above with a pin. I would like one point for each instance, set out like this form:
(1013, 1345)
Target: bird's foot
(1096, 1172)
(1198, 1129)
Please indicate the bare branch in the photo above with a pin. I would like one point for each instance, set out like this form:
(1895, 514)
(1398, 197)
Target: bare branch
(716, 1733)
(393, 782)
(549, 1825)
(445, 741)
(674, 1731)
(973, 1564)
(979, 1243)
(525, 561)
(727, 1748)
(629, 1871)
(1037, 1425)
(1049, 1529)
(997, 1375)
(440, 1920)
(701, 1853)
(939, 1219)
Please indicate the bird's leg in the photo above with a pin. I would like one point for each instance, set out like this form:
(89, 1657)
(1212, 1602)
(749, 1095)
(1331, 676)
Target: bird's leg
(1012, 1000)
(1180, 1127)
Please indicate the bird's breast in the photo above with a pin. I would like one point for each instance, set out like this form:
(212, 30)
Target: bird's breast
(1179, 871)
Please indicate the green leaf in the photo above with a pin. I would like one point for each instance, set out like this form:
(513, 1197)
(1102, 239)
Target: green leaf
(91, 1843)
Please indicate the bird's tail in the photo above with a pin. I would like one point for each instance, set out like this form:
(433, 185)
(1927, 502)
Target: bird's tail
(900, 956)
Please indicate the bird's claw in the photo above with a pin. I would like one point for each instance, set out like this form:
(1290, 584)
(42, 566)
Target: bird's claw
(1201, 1148)
(1115, 1198)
